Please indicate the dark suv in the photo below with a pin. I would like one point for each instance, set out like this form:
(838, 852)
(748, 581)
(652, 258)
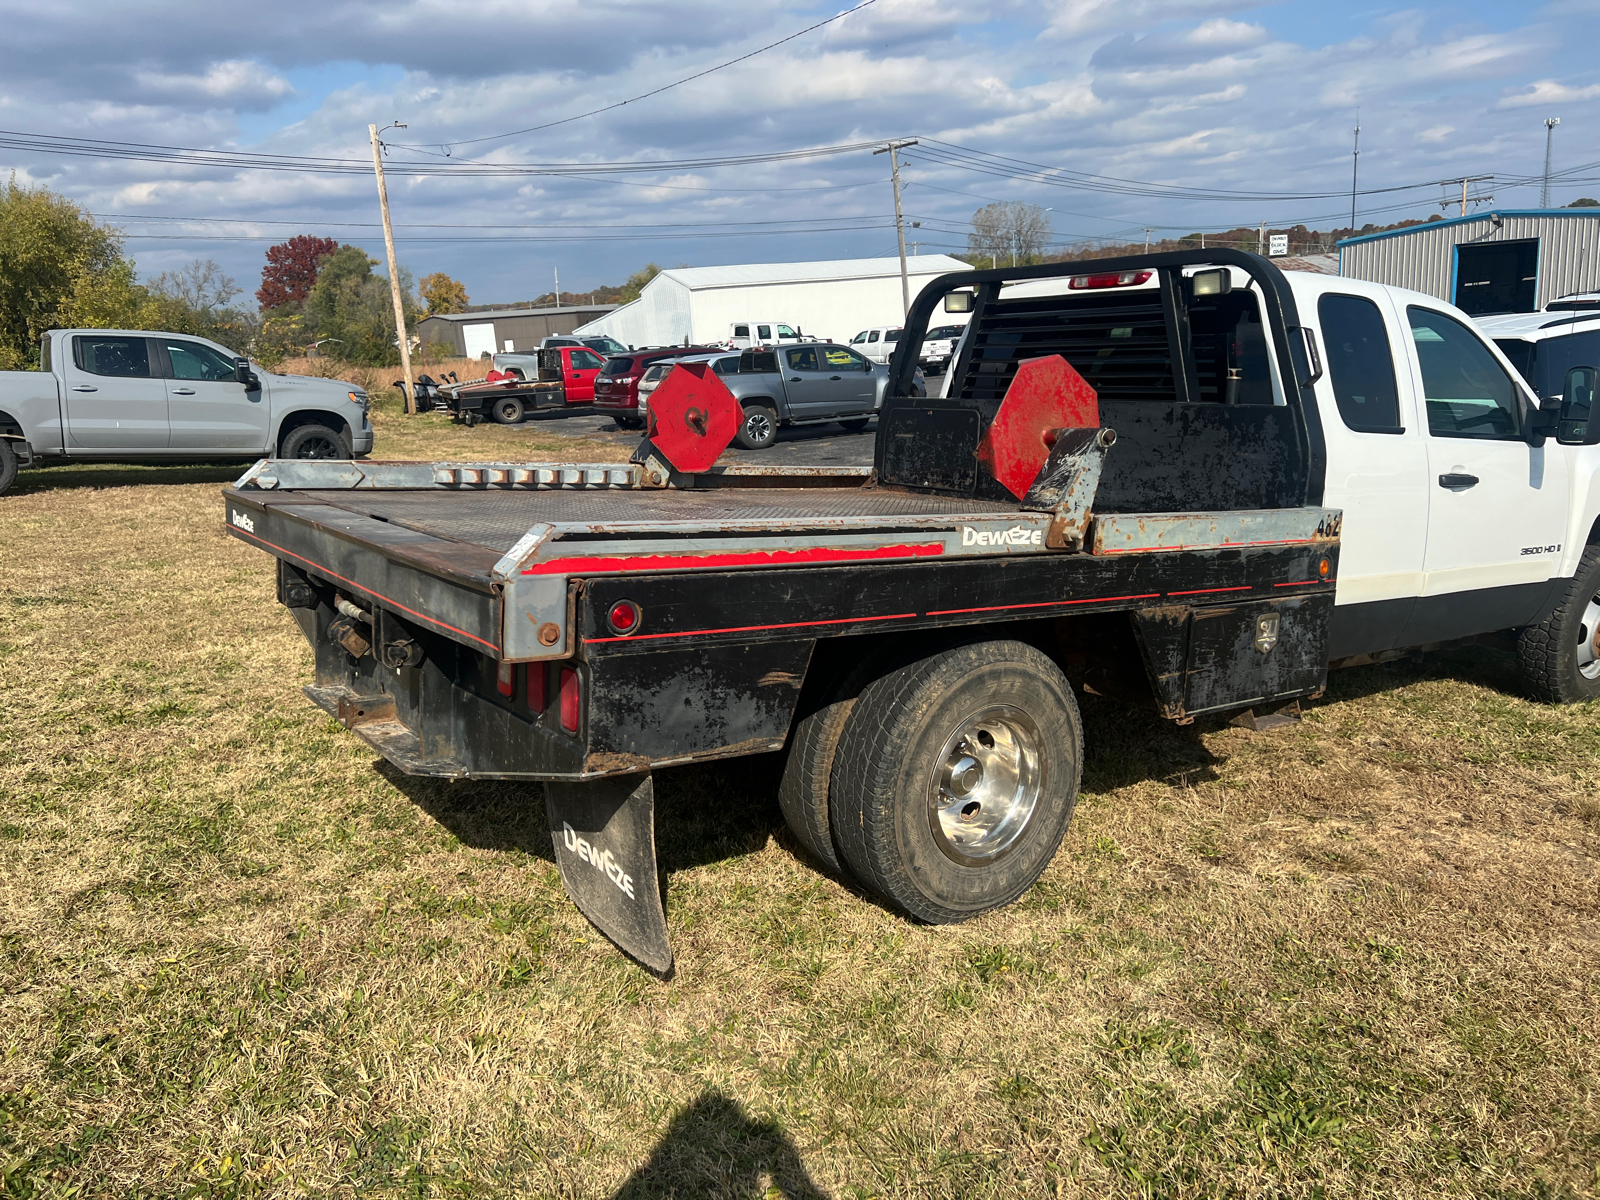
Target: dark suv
(616, 388)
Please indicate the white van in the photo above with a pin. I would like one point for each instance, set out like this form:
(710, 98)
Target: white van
(744, 334)
(877, 344)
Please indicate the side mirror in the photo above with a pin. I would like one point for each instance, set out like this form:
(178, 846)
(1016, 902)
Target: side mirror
(243, 374)
(1573, 424)
(958, 302)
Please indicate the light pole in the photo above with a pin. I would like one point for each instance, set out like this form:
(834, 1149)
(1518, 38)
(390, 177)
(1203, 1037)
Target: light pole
(1355, 166)
(899, 220)
(394, 267)
(1550, 124)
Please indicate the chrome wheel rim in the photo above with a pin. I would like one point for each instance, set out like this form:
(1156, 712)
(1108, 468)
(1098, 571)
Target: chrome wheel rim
(757, 426)
(1589, 640)
(986, 785)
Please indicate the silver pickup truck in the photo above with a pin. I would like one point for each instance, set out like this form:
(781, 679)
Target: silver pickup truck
(130, 395)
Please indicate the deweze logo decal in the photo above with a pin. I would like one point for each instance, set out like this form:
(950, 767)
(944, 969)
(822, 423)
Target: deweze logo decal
(601, 860)
(1541, 549)
(244, 522)
(1017, 535)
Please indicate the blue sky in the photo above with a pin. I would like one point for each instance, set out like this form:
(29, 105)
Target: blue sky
(1224, 95)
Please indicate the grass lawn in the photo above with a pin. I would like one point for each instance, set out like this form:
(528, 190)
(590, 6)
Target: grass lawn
(241, 956)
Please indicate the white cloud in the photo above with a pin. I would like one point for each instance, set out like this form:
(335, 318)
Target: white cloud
(237, 83)
(1548, 91)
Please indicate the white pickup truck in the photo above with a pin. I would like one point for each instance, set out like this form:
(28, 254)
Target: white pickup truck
(133, 395)
(1470, 508)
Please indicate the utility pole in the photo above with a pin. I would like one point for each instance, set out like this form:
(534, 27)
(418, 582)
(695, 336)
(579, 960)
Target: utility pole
(557, 270)
(1550, 124)
(1355, 167)
(1147, 234)
(1261, 239)
(394, 267)
(899, 219)
(1464, 181)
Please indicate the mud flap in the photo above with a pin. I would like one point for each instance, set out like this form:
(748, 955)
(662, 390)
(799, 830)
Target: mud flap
(604, 833)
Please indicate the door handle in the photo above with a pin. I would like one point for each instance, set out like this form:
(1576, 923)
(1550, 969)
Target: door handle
(835, 378)
(183, 391)
(794, 379)
(84, 387)
(1455, 480)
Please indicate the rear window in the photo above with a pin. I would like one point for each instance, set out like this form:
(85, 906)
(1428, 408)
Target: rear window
(892, 336)
(1360, 363)
(726, 366)
(758, 362)
(943, 333)
(119, 357)
(617, 366)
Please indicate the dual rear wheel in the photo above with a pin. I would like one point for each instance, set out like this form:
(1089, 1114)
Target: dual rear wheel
(944, 785)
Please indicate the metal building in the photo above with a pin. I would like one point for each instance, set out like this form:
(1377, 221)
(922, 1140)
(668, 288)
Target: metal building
(829, 300)
(1510, 260)
(473, 334)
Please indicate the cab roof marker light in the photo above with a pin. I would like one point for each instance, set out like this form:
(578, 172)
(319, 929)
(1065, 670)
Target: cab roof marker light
(1110, 279)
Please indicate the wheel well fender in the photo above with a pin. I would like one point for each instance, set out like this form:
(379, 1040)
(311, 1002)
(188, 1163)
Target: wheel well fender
(1592, 540)
(10, 426)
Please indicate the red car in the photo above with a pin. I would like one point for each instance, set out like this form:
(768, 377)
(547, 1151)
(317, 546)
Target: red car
(616, 388)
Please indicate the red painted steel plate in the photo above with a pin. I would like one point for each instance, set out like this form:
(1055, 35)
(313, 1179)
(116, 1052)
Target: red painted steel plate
(1046, 394)
(693, 417)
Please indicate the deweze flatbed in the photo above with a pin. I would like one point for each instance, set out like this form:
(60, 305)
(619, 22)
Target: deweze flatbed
(1123, 488)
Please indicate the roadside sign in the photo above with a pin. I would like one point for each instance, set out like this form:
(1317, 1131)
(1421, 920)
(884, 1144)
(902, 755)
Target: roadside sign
(1277, 245)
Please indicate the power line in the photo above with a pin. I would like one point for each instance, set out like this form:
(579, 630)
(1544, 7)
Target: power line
(657, 91)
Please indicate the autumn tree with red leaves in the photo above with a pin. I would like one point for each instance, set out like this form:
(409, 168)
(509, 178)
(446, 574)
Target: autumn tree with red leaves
(291, 269)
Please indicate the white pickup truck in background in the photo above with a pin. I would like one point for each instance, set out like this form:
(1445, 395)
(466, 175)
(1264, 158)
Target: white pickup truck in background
(134, 395)
(1471, 505)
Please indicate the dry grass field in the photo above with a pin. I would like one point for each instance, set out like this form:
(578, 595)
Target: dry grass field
(239, 956)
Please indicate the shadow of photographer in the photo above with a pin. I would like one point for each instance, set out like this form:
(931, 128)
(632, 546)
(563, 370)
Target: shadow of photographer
(715, 1148)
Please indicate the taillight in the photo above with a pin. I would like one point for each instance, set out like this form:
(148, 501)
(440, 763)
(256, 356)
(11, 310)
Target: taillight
(502, 682)
(623, 617)
(1110, 279)
(536, 687)
(570, 700)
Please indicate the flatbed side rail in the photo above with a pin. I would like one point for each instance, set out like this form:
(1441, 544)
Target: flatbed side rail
(292, 474)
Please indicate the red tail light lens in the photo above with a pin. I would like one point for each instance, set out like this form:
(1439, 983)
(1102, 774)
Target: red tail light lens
(571, 701)
(537, 679)
(1110, 279)
(623, 617)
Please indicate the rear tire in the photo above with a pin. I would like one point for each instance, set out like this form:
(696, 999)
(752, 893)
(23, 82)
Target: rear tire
(509, 410)
(758, 428)
(856, 424)
(8, 464)
(314, 442)
(629, 422)
(1559, 658)
(955, 779)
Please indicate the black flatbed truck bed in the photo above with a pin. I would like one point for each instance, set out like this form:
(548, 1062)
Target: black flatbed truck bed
(585, 625)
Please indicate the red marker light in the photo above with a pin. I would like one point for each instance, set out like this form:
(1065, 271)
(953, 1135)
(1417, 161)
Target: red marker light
(537, 677)
(570, 700)
(623, 617)
(1110, 279)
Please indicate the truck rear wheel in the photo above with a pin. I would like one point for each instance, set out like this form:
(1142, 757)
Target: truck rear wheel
(314, 441)
(758, 429)
(856, 424)
(1559, 658)
(8, 464)
(629, 422)
(955, 779)
(509, 410)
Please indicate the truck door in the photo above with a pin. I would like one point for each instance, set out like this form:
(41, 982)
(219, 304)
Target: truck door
(1377, 470)
(209, 408)
(582, 367)
(115, 401)
(809, 389)
(1497, 511)
(850, 377)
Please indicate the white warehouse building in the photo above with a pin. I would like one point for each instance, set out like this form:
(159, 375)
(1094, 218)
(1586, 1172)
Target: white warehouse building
(828, 300)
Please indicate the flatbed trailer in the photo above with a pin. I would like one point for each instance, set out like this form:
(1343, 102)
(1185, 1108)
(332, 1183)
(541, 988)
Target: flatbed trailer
(910, 634)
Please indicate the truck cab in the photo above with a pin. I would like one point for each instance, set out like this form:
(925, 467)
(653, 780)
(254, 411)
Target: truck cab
(744, 334)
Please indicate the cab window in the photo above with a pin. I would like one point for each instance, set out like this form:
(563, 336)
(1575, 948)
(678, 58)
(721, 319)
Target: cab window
(1360, 365)
(741, 331)
(840, 359)
(584, 360)
(191, 360)
(859, 338)
(785, 331)
(892, 336)
(1468, 393)
(120, 357)
(801, 358)
(873, 336)
(764, 332)
(726, 366)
